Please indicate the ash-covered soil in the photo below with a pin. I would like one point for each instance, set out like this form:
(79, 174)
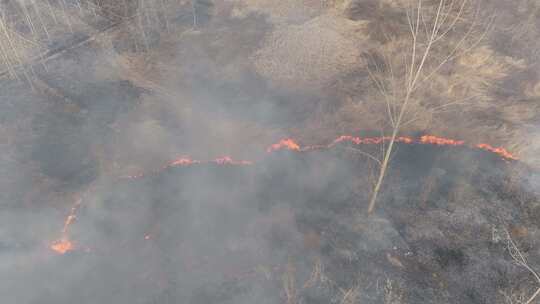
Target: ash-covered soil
(294, 229)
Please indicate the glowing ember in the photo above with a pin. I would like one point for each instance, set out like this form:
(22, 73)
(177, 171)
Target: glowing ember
(404, 139)
(291, 145)
(342, 138)
(501, 151)
(287, 144)
(183, 161)
(62, 246)
(369, 140)
(439, 141)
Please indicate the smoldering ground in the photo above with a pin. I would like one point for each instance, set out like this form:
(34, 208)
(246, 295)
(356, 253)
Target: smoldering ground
(83, 120)
(238, 234)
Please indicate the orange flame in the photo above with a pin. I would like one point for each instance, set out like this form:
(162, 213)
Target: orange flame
(183, 161)
(439, 141)
(291, 145)
(499, 150)
(287, 144)
(64, 245)
(187, 161)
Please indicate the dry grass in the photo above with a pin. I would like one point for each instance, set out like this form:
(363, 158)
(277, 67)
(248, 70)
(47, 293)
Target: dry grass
(282, 11)
(401, 79)
(315, 47)
(462, 94)
(311, 54)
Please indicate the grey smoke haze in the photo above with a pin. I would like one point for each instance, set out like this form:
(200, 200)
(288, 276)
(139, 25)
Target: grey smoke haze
(158, 84)
(89, 121)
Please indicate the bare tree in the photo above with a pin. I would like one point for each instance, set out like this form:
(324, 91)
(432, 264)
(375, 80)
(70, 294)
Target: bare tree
(428, 26)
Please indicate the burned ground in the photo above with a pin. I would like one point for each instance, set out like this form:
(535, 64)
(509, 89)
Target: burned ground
(97, 90)
(235, 234)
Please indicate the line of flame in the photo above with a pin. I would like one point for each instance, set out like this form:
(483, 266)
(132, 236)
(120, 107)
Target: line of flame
(65, 245)
(292, 145)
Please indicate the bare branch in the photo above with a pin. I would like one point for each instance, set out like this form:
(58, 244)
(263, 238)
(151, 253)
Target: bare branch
(415, 71)
(518, 257)
(364, 153)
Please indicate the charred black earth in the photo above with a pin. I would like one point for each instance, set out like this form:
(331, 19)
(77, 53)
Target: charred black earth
(293, 229)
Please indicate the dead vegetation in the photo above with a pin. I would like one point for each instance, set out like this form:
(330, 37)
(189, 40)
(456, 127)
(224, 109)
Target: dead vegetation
(30, 31)
(399, 79)
(416, 66)
(310, 55)
(330, 47)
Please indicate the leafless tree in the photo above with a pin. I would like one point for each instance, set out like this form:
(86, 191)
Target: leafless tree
(429, 26)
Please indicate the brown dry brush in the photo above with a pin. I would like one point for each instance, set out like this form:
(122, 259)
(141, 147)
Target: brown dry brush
(12, 50)
(401, 79)
(42, 21)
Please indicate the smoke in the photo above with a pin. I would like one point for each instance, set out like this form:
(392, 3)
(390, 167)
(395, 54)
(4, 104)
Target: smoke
(99, 111)
(118, 90)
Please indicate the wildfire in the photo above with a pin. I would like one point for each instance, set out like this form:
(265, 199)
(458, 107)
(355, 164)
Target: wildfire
(287, 144)
(62, 246)
(439, 141)
(65, 245)
(291, 145)
(183, 161)
(501, 151)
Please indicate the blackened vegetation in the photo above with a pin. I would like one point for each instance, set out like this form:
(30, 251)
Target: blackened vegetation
(81, 108)
(450, 257)
(294, 225)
